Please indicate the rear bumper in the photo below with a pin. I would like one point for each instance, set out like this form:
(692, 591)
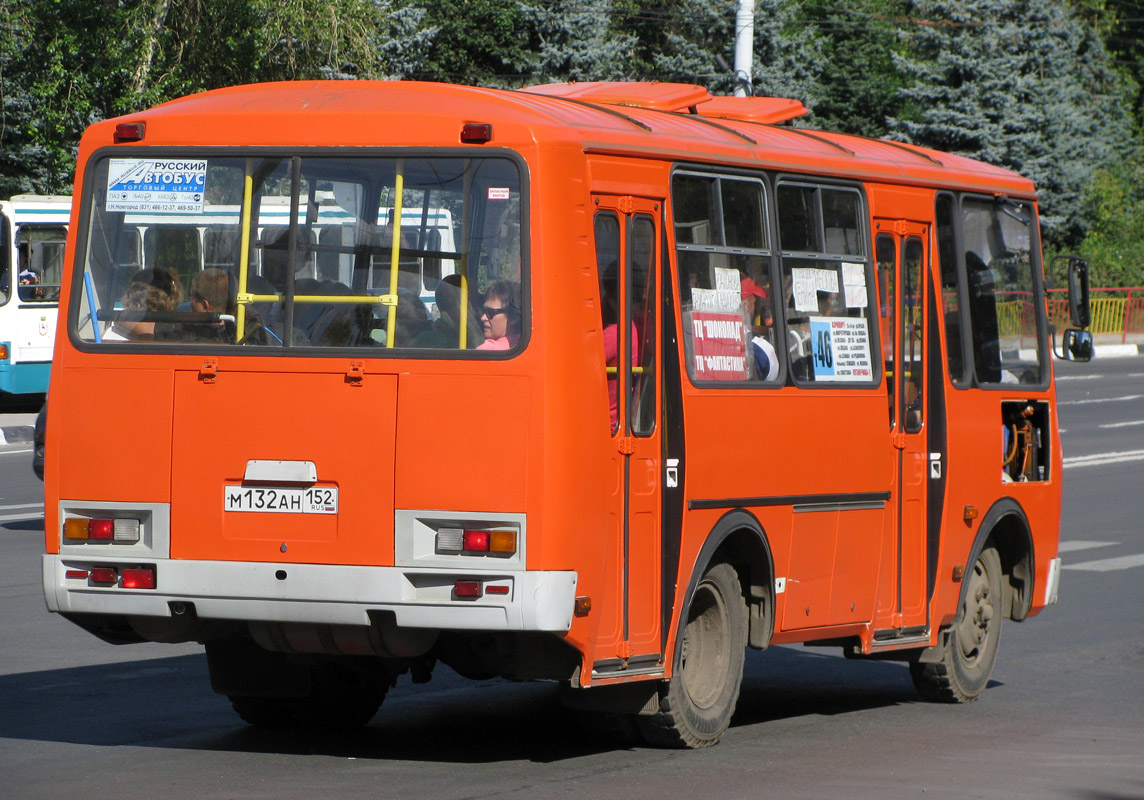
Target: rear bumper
(320, 594)
(25, 377)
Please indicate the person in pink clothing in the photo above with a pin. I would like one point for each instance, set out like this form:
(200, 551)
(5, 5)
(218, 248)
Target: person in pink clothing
(500, 316)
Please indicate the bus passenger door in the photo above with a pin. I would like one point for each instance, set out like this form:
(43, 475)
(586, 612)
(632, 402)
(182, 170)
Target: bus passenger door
(900, 248)
(627, 241)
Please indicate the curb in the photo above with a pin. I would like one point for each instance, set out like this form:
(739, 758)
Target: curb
(16, 434)
(1114, 350)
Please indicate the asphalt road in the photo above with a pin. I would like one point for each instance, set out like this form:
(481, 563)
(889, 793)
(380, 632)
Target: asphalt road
(1063, 717)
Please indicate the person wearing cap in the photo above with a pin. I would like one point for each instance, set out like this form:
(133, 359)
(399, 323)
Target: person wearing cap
(766, 360)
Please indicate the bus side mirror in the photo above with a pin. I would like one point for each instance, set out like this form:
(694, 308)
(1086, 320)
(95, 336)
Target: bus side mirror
(1076, 346)
(1078, 293)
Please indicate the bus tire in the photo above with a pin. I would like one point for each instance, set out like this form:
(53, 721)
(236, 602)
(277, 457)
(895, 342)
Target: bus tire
(696, 704)
(971, 647)
(262, 712)
(339, 698)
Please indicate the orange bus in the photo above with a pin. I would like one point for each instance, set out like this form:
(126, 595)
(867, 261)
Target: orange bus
(693, 381)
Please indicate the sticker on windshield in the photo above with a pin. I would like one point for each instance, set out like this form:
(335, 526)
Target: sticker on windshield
(152, 185)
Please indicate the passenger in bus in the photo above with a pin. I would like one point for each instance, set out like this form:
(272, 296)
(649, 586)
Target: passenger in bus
(31, 279)
(610, 316)
(412, 318)
(500, 316)
(446, 330)
(211, 293)
(139, 297)
(766, 360)
(162, 279)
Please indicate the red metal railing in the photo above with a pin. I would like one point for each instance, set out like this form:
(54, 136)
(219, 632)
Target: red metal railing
(1113, 310)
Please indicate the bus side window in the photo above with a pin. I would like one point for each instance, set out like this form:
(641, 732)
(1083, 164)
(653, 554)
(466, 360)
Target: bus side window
(607, 229)
(828, 300)
(886, 257)
(950, 294)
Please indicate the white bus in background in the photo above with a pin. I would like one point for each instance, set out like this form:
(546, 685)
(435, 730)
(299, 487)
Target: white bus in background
(33, 230)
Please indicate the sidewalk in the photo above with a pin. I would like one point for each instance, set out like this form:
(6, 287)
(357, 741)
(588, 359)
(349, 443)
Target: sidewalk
(1115, 345)
(16, 428)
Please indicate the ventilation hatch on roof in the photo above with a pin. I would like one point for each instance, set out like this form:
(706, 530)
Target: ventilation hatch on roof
(753, 109)
(638, 94)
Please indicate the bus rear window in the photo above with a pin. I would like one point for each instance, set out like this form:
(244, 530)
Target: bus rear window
(411, 254)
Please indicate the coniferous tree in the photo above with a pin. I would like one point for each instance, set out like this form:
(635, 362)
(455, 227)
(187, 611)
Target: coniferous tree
(1020, 84)
(579, 41)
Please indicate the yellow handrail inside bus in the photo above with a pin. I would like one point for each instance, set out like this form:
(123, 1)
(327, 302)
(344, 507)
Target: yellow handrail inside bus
(244, 253)
(463, 324)
(390, 300)
(394, 251)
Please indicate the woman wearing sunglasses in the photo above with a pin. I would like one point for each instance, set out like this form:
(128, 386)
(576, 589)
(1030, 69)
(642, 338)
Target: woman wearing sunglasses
(500, 316)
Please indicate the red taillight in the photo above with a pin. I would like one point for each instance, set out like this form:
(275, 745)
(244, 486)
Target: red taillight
(100, 529)
(129, 132)
(476, 132)
(138, 578)
(468, 589)
(496, 588)
(104, 575)
(476, 541)
(76, 574)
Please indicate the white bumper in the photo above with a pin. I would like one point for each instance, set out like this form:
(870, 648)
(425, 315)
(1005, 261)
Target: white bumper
(322, 594)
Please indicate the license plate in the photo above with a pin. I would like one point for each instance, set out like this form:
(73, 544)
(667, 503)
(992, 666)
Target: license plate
(281, 500)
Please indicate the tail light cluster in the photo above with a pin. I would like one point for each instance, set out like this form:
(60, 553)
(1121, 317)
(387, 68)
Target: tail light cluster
(117, 576)
(82, 529)
(476, 541)
(474, 590)
(488, 542)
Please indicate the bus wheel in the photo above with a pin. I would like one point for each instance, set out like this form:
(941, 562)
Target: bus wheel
(262, 712)
(967, 661)
(339, 698)
(695, 706)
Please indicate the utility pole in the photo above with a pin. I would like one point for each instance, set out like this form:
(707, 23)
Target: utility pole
(744, 47)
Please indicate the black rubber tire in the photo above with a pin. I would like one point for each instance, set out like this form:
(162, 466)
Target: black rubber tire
(263, 712)
(339, 698)
(696, 704)
(971, 647)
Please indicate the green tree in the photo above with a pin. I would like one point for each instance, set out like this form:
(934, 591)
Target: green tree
(480, 42)
(68, 63)
(1114, 246)
(579, 41)
(1020, 84)
(858, 84)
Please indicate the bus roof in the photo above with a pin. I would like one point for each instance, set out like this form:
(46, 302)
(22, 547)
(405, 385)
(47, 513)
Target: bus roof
(659, 120)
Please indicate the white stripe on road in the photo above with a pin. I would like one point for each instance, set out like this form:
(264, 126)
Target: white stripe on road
(1090, 401)
(1091, 377)
(1122, 424)
(20, 517)
(1077, 544)
(22, 505)
(1109, 564)
(1104, 458)
(15, 452)
(1097, 459)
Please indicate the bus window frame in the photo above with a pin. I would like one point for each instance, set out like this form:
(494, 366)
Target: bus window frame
(256, 153)
(770, 254)
(968, 351)
(16, 232)
(8, 259)
(867, 256)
